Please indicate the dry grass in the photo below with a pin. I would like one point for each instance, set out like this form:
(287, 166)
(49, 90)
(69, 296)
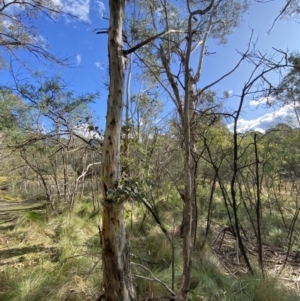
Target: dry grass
(58, 258)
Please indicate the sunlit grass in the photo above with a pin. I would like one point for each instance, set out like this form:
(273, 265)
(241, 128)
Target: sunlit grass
(70, 271)
(74, 272)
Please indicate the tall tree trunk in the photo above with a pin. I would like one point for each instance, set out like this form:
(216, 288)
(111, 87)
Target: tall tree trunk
(189, 204)
(115, 254)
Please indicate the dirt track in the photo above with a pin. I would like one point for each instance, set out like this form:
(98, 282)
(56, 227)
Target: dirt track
(10, 210)
(8, 206)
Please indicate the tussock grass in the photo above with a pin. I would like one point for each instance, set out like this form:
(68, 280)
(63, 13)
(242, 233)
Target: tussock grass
(158, 247)
(22, 287)
(269, 289)
(68, 281)
(74, 272)
(153, 284)
(209, 283)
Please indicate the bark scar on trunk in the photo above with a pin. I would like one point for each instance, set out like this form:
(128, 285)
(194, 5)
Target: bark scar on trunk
(105, 188)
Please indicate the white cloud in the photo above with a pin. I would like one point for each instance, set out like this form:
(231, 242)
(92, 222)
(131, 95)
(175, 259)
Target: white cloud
(262, 100)
(227, 93)
(101, 8)
(285, 114)
(78, 8)
(6, 23)
(85, 131)
(39, 39)
(78, 59)
(99, 65)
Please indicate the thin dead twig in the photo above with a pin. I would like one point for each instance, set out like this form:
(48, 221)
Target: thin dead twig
(153, 278)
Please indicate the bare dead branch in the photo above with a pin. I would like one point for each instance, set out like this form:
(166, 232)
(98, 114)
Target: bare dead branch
(149, 40)
(280, 14)
(153, 278)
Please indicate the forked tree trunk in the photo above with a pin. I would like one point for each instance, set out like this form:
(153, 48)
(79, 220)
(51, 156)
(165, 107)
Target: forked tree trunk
(115, 254)
(189, 220)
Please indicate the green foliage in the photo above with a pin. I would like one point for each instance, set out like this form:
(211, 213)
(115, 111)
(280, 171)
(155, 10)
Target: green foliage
(129, 189)
(288, 90)
(18, 32)
(12, 110)
(54, 101)
(50, 130)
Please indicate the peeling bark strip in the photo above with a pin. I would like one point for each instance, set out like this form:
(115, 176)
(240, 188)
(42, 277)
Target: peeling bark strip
(115, 255)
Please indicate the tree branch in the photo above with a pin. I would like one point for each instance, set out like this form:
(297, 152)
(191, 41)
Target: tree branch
(149, 40)
(153, 278)
(280, 14)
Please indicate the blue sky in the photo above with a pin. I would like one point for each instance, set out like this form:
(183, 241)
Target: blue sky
(285, 35)
(88, 54)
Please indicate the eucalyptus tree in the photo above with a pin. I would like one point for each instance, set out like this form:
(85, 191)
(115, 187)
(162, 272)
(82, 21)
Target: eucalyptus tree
(176, 62)
(54, 117)
(13, 110)
(19, 32)
(175, 35)
(290, 10)
(118, 283)
(14, 118)
(288, 91)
